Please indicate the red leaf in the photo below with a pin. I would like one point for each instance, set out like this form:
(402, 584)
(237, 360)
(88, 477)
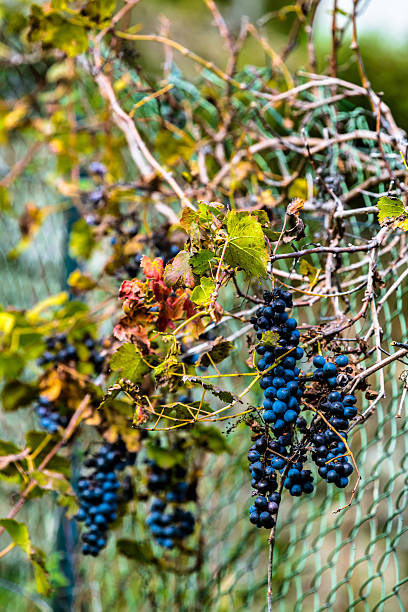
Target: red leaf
(152, 268)
(179, 269)
(131, 290)
(160, 290)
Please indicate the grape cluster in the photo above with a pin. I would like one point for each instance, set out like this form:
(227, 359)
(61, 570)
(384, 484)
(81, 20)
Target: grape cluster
(50, 415)
(298, 480)
(281, 445)
(262, 464)
(95, 356)
(282, 392)
(338, 408)
(327, 372)
(263, 511)
(171, 487)
(166, 527)
(60, 350)
(281, 386)
(98, 493)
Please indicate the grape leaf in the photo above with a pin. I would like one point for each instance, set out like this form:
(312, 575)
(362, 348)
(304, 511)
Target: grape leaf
(6, 460)
(20, 536)
(220, 349)
(202, 293)
(129, 361)
(82, 241)
(200, 262)
(188, 216)
(273, 236)
(17, 394)
(310, 271)
(141, 551)
(210, 438)
(246, 244)
(42, 582)
(178, 269)
(389, 209)
(270, 338)
(18, 533)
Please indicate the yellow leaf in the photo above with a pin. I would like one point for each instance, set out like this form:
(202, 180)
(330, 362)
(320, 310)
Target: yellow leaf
(7, 321)
(310, 271)
(53, 300)
(123, 82)
(402, 224)
(51, 386)
(12, 119)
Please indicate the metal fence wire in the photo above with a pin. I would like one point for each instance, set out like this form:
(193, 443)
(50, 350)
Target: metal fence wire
(356, 559)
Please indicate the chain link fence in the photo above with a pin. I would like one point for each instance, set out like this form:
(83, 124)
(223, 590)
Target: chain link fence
(354, 560)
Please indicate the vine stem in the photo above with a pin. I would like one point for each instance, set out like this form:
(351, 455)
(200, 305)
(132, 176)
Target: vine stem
(218, 282)
(6, 550)
(271, 541)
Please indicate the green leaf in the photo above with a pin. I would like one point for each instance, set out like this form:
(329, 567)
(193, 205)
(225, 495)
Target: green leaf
(207, 212)
(18, 533)
(200, 262)
(389, 209)
(41, 579)
(164, 457)
(210, 438)
(9, 453)
(17, 394)
(273, 236)
(270, 338)
(82, 241)
(35, 438)
(20, 536)
(220, 349)
(178, 269)
(262, 217)
(71, 38)
(129, 362)
(298, 189)
(8, 448)
(202, 293)
(140, 551)
(246, 244)
(5, 205)
(57, 464)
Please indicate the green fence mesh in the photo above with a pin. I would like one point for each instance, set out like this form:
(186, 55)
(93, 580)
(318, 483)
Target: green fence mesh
(356, 559)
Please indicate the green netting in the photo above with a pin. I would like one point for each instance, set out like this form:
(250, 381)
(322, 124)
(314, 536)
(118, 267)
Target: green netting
(353, 560)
